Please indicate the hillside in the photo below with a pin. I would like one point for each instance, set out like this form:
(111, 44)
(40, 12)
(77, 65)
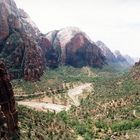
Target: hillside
(135, 72)
(109, 110)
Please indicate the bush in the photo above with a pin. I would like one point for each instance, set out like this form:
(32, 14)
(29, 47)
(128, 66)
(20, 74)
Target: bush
(136, 123)
(101, 125)
(126, 125)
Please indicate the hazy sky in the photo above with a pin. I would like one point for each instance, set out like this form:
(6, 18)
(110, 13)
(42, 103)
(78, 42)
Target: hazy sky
(115, 22)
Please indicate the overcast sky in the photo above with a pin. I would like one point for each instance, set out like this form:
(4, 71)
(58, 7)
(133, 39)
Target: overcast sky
(115, 22)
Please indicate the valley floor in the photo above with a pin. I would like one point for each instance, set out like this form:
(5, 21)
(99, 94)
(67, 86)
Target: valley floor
(43, 104)
(107, 106)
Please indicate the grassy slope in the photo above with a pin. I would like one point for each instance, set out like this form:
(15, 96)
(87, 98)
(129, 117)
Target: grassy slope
(106, 113)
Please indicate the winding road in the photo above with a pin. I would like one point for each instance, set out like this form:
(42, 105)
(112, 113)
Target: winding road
(73, 94)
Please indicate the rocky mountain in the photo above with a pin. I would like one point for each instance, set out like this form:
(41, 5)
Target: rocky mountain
(111, 58)
(27, 52)
(73, 47)
(119, 56)
(129, 59)
(121, 60)
(116, 57)
(18, 42)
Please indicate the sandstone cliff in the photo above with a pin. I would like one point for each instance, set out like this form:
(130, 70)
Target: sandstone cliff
(73, 47)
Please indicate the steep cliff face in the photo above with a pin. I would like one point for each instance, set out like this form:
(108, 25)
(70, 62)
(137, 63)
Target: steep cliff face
(51, 53)
(18, 42)
(28, 26)
(7, 104)
(14, 19)
(59, 39)
(33, 64)
(23, 57)
(81, 52)
(8, 10)
(73, 47)
(107, 52)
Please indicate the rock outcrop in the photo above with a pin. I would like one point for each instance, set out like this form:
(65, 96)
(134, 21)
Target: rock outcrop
(8, 10)
(81, 52)
(51, 53)
(19, 47)
(28, 26)
(110, 57)
(73, 47)
(14, 19)
(23, 57)
(32, 60)
(7, 106)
